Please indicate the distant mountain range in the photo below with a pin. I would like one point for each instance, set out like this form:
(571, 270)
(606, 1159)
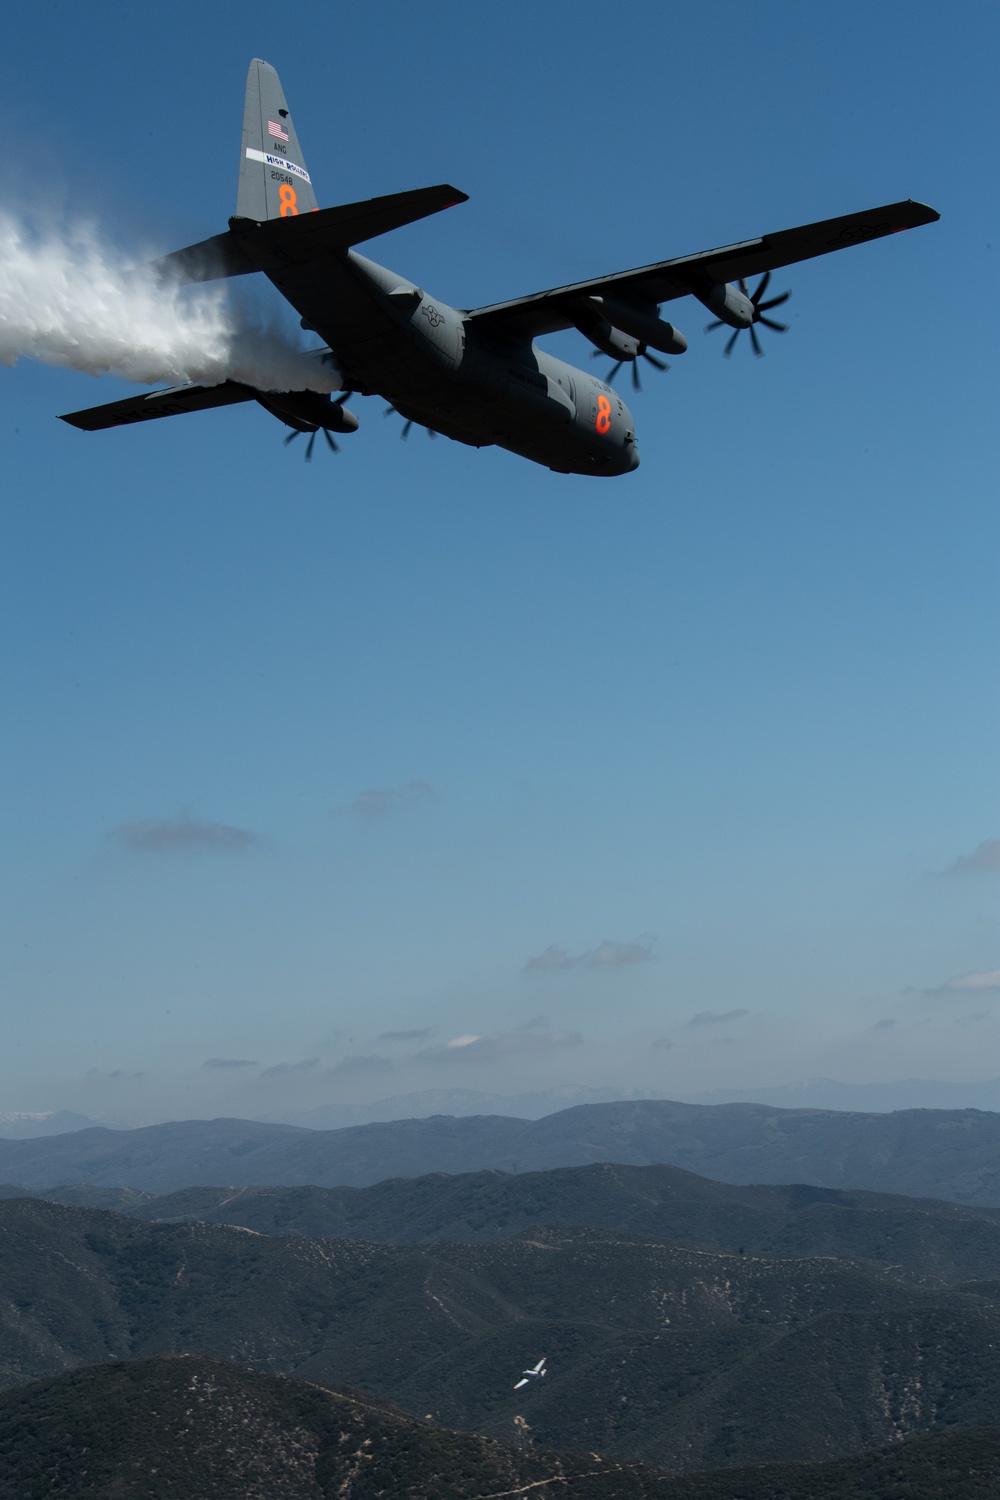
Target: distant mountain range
(813, 1093)
(952, 1154)
(219, 1431)
(458, 1102)
(828, 1093)
(687, 1358)
(928, 1238)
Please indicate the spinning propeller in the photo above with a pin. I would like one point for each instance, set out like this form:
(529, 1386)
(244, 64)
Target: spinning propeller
(658, 364)
(312, 431)
(405, 432)
(759, 309)
(334, 447)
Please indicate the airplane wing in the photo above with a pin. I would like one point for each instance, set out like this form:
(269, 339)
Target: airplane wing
(537, 1369)
(520, 1383)
(547, 312)
(168, 403)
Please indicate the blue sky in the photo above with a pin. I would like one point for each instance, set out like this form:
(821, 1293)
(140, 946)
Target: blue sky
(299, 757)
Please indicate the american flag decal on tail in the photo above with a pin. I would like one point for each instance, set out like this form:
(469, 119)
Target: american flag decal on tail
(276, 130)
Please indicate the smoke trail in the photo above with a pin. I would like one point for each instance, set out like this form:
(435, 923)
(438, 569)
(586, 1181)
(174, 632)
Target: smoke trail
(68, 300)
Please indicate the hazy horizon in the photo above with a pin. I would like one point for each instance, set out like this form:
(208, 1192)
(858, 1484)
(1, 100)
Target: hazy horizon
(811, 1093)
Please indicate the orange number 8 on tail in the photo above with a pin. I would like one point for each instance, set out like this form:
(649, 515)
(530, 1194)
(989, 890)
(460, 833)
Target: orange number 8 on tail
(288, 200)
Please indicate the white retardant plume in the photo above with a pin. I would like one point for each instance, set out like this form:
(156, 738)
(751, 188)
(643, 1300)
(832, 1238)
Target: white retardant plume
(68, 300)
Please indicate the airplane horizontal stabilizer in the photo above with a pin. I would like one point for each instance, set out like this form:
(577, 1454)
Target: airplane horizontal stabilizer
(167, 403)
(307, 237)
(311, 236)
(209, 260)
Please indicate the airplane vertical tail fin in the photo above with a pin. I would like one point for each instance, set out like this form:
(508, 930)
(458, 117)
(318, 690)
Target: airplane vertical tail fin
(274, 183)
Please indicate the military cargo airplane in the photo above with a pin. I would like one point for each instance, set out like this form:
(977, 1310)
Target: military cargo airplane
(476, 375)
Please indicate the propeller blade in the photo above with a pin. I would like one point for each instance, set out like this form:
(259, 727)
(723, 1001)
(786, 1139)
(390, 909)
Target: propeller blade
(759, 309)
(636, 382)
(389, 411)
(330, 443)
(658, 364)
(609, 377)
(430, 432)
(341, 399)
(309, 446)
(406, 430)
(755, 299)
(291, 437)
(743, 287)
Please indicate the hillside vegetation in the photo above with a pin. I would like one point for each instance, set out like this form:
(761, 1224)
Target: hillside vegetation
(929, 1237)
(198, 1429)
(684, 1357)
(952, 1154)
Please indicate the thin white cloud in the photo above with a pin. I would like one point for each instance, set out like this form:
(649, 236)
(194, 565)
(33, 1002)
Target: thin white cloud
(471, 1047)
(228, 1062)
(614, 955)
(280, 1069)
(552, 958)
(607, 955)
(181, 834)
(884, 1024)
(985, 857)
(715, 1017)
(378, 801)
(984, 981)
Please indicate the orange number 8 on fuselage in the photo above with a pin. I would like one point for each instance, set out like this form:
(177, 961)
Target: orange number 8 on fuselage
(603, 423)
(288, 200)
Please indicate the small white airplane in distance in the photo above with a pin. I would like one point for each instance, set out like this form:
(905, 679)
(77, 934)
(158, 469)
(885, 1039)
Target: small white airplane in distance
(533, 1374)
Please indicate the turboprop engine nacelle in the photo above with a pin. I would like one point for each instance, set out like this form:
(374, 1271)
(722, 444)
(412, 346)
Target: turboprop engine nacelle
(604, 335)
(308, 409)
(729, 303)
(641, 323)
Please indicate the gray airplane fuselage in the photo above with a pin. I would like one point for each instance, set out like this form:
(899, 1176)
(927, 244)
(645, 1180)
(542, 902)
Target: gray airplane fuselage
(431, 363)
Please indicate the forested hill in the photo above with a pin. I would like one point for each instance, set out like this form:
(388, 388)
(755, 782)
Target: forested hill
(952, 1154)
(175, 1429)
(927, 1236)
(162, 1429)
(659, 1352)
